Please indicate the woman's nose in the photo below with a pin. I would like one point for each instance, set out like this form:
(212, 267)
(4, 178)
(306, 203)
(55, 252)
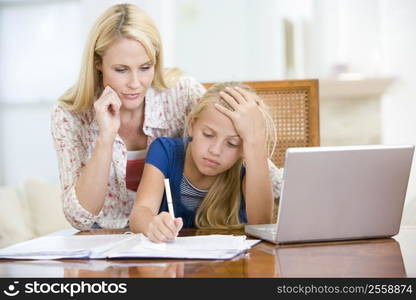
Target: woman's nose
(134, 81)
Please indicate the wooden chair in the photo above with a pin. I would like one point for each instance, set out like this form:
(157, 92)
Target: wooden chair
(295, 109)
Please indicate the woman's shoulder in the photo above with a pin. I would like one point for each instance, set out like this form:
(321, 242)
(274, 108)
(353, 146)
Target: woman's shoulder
(62, 114)
(191, 84)
(185, 86)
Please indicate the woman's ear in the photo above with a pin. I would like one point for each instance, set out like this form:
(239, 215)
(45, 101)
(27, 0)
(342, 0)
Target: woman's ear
(99, 66)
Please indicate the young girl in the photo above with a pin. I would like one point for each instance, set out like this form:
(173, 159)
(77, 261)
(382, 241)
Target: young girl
(219, 175)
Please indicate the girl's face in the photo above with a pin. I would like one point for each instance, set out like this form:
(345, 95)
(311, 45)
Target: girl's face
(128, 70)
(215, 145)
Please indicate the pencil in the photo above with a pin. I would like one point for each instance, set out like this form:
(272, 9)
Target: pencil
(169, 198)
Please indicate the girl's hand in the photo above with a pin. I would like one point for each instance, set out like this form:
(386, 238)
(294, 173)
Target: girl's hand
(246, 116)
(163, 228)
(107, 111)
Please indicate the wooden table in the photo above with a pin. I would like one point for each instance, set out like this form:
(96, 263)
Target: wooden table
(395, 257)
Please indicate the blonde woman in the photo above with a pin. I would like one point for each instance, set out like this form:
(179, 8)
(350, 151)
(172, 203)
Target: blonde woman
(102, 126)
(219, 175)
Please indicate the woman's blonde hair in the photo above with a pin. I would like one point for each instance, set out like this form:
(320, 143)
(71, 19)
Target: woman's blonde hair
(220, 207)
(117, 22)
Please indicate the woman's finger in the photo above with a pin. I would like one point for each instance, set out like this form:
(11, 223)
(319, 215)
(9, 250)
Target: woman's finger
(106, 91)
(115, 96)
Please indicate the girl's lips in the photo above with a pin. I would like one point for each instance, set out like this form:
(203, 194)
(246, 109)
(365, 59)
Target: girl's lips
(210, 163)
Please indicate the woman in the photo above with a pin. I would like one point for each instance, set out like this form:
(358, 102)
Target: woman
(122, 101)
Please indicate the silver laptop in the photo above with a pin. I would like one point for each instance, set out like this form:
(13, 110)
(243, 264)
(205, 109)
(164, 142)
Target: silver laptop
(340, 193)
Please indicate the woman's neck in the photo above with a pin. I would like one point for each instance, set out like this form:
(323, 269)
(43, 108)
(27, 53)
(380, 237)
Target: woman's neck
(131, 129)
(128, 117)
(194, 176)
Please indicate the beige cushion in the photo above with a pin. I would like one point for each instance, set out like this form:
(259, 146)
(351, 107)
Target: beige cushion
(45, 206)
(13, 220)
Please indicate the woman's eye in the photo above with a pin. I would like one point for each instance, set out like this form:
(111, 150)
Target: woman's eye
(144, 68)
(207, 134)
(232, 145)
(121, 70)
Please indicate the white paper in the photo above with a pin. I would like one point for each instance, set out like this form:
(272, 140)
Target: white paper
(128, 245)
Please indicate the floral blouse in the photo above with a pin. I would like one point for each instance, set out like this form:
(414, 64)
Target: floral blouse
(74, 136)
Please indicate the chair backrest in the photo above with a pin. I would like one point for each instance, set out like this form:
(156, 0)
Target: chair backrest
(294, 105)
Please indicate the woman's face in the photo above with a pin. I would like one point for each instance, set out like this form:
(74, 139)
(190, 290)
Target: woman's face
(215, 145)
(128, 70)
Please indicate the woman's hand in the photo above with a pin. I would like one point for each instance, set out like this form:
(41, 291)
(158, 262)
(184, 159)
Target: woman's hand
(246, 115)
(107, 110)
(163, 228)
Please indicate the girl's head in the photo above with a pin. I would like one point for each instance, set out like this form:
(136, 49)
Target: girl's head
(123, 50)
(217, 150)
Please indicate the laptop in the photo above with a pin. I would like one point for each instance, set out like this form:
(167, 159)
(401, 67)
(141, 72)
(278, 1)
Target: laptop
(340, 193)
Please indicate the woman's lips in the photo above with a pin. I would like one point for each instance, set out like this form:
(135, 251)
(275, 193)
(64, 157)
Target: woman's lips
(131, 96)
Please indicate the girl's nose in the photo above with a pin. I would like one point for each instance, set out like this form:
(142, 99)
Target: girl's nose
(215, 148)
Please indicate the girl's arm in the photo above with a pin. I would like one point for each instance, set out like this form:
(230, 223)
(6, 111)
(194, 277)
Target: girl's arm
(250, 125)
(144, 216)
(257, 186)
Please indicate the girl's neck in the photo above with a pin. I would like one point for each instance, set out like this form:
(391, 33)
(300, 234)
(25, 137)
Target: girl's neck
(194, 176)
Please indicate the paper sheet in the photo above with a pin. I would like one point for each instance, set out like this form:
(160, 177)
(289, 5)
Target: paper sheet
(128, 245)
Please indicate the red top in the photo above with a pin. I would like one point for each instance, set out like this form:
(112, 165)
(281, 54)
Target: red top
(134, 173)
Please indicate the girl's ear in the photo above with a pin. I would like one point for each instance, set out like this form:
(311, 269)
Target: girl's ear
(191, 127)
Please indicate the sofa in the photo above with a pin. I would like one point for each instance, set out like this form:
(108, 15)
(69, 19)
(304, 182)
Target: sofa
(30, 209)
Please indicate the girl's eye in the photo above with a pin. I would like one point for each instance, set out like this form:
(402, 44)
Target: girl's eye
(121, 70)
(232, 145)
(207, 134)
(144, 68)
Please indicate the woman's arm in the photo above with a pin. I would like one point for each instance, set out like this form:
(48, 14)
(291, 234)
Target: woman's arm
(91, 186)
(144, 216)
(84, 183)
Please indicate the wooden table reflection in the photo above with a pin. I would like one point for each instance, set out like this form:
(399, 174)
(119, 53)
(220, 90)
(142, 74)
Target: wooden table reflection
(364, 258)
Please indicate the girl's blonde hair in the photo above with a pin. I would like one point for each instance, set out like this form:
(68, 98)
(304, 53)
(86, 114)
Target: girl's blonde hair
(220, 207)
(117, 22)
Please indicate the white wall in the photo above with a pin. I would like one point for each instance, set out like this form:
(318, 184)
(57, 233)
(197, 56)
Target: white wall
(229, 40)
(27, 144)
(40, 52)
(398, 44)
